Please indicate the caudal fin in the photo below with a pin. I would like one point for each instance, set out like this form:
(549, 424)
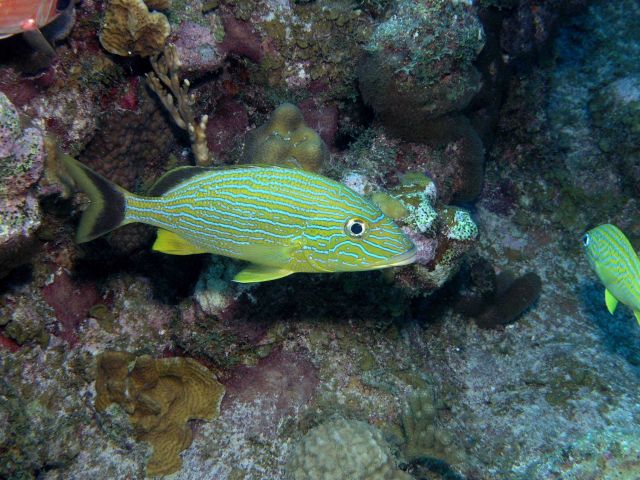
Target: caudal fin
(107, 209)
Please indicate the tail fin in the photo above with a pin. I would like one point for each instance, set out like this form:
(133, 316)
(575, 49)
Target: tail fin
(107, 209)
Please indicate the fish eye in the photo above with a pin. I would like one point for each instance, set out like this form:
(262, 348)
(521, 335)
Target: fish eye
(586, 239)
(355, 227)
(62, 4)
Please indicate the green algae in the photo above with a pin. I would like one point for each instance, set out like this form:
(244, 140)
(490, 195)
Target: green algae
(316, 41)
(392, 207)
(106, 319)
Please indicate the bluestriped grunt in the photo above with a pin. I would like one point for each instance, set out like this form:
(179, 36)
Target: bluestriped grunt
(281, 220)
(616, 264)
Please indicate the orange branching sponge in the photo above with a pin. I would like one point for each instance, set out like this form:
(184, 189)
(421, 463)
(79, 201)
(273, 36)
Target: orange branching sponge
(160, 396)
(286, 140)
(128, 28)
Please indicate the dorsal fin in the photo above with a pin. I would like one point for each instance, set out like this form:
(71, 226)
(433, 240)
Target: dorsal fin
(175, 177)
(180, 174)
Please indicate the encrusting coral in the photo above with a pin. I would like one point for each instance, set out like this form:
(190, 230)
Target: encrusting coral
(174, 95)
(422, 435)
(417, 193)
(22, 159)
(442, 234)
(341, 449)
(511, 298)
(419, 63)
(286, 140)
(615, 112)
(128, 28)
(160, 396)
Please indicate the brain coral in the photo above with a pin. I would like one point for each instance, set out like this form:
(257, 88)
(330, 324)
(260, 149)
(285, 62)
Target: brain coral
(286, 140)
(130, 148)
(160, 396)
(343, 449)
(128, 28)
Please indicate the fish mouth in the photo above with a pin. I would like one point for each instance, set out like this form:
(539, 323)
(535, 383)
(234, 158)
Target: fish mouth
(405, 258)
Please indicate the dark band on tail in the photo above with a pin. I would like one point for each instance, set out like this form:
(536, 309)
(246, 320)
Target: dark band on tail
(107, 208)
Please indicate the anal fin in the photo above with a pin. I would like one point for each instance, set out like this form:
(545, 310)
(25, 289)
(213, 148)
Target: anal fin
(611, 301)
(260, 273)
(173, 244)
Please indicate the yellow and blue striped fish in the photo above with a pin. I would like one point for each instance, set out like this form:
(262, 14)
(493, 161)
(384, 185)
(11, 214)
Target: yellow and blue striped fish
(281, 220)
(616, 264)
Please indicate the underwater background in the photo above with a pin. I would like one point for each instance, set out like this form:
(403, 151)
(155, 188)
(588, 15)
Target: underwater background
(494, 133)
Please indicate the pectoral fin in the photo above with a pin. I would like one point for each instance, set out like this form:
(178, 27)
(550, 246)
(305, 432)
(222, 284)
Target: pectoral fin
(611, 301)
(173, 244)
(637, 314)
(260, 273)
(38, 42)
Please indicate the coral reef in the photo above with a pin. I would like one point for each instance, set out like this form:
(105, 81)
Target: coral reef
(423, 436)
(198, 46)
(71, 301)
(286, 140)
(22, 159)
(527, 28)
(591, 146)
(25, 321)
(160, 396)
(417, 193)
(300, 47)
(343, 449)
(128, 28)
(226, 128)
(30, 412)
(215, 292)
(21, 152)
(282, 382)
(158, 4)
(615, 112)
(458, 163)
(418, 63)
(520, 391)
(131, 146)
(496, 300)
(441, 234)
